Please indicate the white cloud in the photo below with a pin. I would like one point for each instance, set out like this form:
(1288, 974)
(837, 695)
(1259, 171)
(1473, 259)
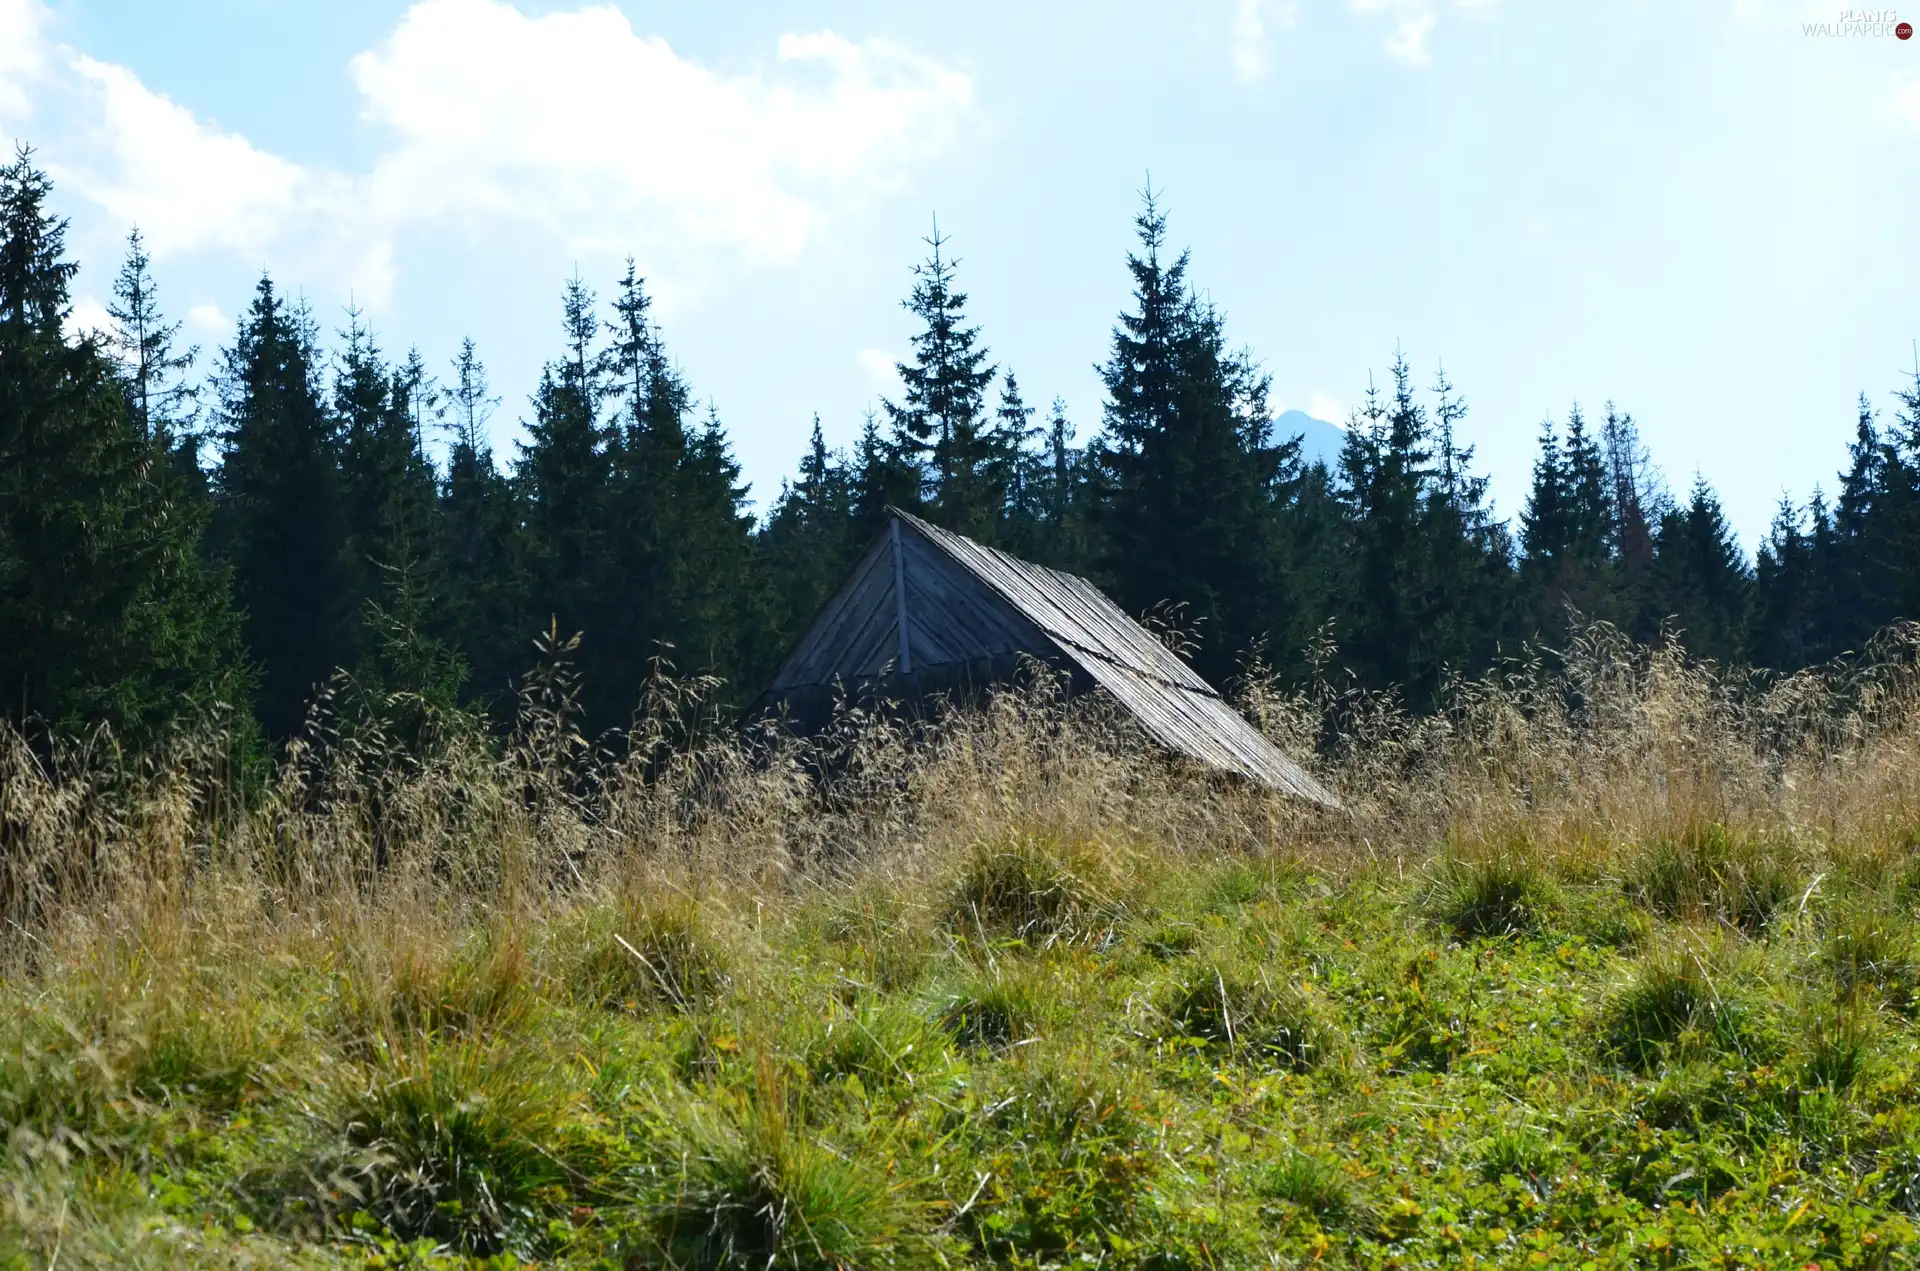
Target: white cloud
(570, 122)
(148, 162)
(574, 121)
(1328, 407)
(1413, 22)
(21, 57)
(1250, 34)
(88, 315)
(207, 320)
(881, 369)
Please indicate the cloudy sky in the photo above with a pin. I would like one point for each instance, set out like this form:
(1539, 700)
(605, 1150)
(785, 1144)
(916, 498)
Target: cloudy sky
(1702, 212)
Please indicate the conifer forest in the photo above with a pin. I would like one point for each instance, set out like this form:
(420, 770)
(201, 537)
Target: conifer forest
(173, 540)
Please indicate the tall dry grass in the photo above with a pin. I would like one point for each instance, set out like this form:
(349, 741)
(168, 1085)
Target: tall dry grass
(1599, 750)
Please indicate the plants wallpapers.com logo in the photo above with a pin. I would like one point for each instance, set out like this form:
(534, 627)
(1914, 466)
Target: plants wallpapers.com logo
(1861, 22)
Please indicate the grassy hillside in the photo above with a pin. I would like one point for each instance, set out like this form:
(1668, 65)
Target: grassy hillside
(1614, 964)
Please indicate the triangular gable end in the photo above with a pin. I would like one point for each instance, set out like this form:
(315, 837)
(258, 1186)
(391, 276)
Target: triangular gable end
(953, 619)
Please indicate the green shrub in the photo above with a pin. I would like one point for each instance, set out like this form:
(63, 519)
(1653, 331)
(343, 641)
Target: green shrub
(457, 1144)
(1502, 894)
(1249, 1014)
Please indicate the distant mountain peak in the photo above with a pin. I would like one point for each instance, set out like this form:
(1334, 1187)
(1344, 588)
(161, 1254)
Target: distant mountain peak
(1320, 441)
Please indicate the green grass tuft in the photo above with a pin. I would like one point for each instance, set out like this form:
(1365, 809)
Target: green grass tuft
(1502, 894)
(1320, 1187)
(880, 1044)
(994, 1007)
(1684, 1000)
(751, 1189)
(1249, 1013)
(1709, 872)
(1034, 889)
(458, 1144)
(1837, 1047)
(650, 952)
(1869, 947)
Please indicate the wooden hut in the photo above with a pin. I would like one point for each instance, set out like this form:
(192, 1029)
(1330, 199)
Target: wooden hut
(926, 611)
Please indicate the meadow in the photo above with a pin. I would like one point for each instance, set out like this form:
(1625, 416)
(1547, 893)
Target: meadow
(1611, 963)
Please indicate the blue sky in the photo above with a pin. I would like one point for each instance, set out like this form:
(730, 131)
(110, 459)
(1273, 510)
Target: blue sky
(1699, 211)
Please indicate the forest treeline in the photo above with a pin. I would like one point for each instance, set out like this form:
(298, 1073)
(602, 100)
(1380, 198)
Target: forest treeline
(171, 545)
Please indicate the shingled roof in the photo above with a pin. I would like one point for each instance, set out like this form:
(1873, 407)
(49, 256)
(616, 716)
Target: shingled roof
(926, 610)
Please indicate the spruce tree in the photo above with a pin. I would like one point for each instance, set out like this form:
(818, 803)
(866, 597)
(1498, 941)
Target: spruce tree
(1383, 471)
(1899, 540)
(279, 521)
(107, 612)
(163, 404)
(678, 555)
(1783, 635)
(160, 394)
(941, 424)
(1187, 464)
(401, 651)
(1020, 471)
(809, 538)
(1637, 500)
(1701, 580)
(1423, 581)
(1856, 560)
(1066, 496)
(479, 545)
(562, 478)
(1467, 597)
(1568, 532)
(885, 474)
